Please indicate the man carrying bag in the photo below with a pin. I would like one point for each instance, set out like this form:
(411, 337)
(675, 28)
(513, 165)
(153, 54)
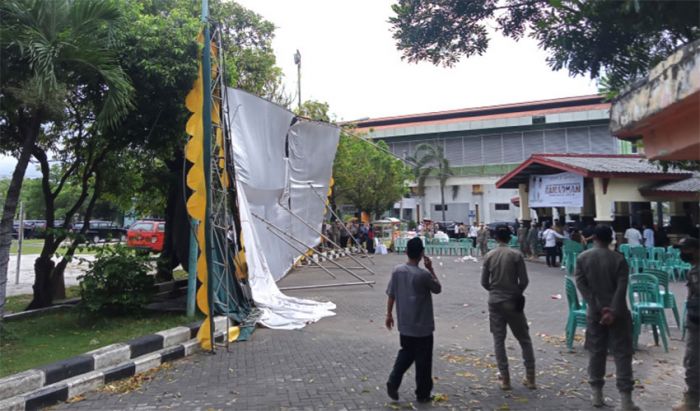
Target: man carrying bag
(504, 276)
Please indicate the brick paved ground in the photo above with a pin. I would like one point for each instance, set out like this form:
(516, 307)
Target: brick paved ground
(343, 362)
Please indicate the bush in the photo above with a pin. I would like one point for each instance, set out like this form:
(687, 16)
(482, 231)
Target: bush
(117, 282)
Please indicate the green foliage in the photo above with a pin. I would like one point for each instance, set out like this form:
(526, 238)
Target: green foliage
(429, 161)
(366, 174)
(116, 283)
(65, 44)
(620, 39)
(314, 110)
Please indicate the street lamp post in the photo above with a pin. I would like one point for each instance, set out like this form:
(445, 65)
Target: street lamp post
(297, 61)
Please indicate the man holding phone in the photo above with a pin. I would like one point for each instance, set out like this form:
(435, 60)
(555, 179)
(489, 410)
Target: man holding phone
(410, 288)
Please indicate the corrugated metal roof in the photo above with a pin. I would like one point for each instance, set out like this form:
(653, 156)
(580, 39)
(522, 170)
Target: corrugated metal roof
(612, 164)
(689, 185)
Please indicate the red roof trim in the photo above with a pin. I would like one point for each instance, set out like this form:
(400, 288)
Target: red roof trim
(544, 159)
(478, 108)
(541, 159)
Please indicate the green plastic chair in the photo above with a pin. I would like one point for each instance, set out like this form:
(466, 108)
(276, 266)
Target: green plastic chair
(667, 297)
(657, 256)
(639, 253)
(570, 252)
(645, 301)
(577, 312)
(625, 250)
(491, 244)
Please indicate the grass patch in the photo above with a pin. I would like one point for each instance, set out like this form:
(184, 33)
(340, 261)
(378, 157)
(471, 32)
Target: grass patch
(33, 342)
(18, 303)
(28, 246)
(34, 247)
(179, 275)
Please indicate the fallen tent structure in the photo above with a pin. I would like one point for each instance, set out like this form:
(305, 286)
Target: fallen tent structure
(254, 176)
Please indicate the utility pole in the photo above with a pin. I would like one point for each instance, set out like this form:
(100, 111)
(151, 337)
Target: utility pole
(20, 240)
(297, 61)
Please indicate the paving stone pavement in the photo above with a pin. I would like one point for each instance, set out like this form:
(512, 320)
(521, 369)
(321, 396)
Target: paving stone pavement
(342, 363)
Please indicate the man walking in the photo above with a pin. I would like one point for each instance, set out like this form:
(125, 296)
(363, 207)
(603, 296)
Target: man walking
(601, 277)
(504, 276)
(410, 288)
(691, 360)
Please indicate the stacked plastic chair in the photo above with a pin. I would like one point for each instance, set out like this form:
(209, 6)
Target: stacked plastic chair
(667, 297)
(646, 303)
(577, 312)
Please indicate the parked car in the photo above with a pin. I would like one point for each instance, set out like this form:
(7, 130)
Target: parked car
(32, 228)
(99, 230)
(146, 235)
(448, 227)
(492, 227)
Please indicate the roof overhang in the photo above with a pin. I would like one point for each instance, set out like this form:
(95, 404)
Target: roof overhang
(539, 164)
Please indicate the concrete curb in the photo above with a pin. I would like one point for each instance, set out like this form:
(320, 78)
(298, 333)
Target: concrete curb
(49, 384)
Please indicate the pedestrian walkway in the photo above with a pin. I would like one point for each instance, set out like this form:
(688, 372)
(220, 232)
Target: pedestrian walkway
(343, 362)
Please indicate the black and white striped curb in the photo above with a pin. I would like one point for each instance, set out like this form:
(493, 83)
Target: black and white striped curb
(319, 257)
(47, 385)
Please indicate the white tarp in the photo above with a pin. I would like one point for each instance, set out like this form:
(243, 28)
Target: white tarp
(268, 181)
(556, 190)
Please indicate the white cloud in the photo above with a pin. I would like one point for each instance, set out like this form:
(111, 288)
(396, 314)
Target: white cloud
(349, 60)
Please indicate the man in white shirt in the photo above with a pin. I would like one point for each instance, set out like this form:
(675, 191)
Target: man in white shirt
(633, 236)
(550, 244)
(648, 236)
(473, 233)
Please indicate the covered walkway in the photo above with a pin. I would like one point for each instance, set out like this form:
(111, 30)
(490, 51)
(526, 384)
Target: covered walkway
(617, 189)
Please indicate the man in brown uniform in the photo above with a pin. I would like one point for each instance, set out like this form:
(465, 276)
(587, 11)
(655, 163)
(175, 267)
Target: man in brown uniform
(691, 360)
(505, 277)
(601, 277)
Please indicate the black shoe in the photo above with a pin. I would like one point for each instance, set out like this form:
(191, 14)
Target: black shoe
(392, 392)
(423, 400)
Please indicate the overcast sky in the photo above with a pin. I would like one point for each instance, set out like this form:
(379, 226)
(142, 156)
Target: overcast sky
(350, 61)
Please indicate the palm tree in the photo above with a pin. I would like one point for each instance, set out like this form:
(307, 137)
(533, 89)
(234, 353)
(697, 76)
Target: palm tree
(429, 161)
(50, 49)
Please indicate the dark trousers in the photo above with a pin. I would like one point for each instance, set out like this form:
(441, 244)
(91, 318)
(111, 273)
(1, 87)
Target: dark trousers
(551, 256)
(691, 360)
(344, 241)
(616, 338)
(420, 351)
(501, 316)
(473, 241)
(370, 246)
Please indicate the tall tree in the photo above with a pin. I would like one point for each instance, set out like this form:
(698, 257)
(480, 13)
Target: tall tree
(366, 174)
(621, 40)
(67, 45)
(429, 161)
(160, 55)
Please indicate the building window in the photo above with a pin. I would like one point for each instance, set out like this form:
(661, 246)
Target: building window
(502, 206)
(438, 207)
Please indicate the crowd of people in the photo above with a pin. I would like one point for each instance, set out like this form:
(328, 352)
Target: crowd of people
(601, 275)
(349, 234)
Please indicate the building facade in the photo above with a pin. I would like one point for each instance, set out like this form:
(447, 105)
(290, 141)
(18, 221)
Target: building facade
(483, 144)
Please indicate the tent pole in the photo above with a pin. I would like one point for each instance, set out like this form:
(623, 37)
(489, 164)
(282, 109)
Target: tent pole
(192, 270)
(324, 236)
(307, 287)
(300, 251)
(328, 207)
(298, 241)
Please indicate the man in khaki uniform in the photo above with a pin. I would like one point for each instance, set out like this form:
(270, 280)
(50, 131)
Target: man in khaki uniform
(601, 277)
(505, 277)
(691, 360)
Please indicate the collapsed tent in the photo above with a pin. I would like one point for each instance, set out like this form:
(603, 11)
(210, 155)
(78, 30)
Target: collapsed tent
(278, 160)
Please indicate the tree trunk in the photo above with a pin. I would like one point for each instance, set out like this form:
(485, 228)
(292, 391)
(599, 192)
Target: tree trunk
(442, 200)
(43, 296)
(30, 131)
